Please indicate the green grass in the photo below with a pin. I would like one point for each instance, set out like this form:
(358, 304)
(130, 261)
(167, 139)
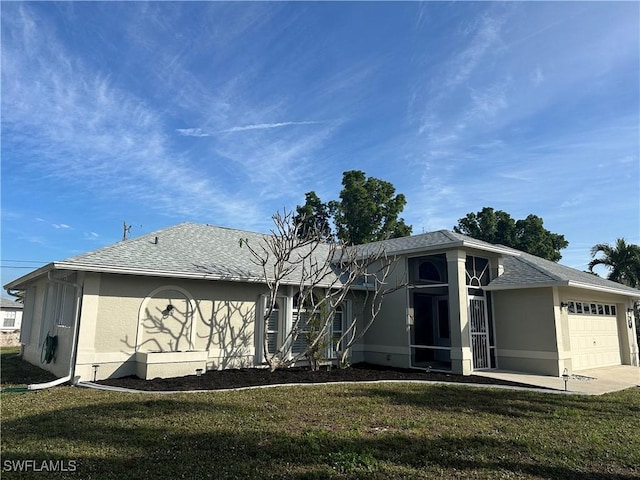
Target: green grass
(16, 373)
(375, 431)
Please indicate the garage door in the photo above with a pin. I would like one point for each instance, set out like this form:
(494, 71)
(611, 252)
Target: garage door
(594, 341)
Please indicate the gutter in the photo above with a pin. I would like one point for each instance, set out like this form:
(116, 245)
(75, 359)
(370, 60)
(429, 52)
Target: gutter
(74, 343)
(564, 283)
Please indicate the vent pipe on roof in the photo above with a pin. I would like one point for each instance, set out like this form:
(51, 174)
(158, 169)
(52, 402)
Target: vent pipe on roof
(155, 241)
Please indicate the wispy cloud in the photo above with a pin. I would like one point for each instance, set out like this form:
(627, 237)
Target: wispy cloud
(199, 132)
(83, 129)
(60, 226)
(266, 126)
(192, 132)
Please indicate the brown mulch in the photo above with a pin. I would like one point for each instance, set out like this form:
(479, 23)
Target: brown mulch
(247, 377)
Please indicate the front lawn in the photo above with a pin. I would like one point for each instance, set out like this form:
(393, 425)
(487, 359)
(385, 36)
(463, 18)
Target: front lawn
(338, 431)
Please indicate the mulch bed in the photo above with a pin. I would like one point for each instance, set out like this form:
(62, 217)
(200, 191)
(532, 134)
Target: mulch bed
(247, 377)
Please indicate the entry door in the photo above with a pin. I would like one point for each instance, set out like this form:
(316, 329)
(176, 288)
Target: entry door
(478, 327)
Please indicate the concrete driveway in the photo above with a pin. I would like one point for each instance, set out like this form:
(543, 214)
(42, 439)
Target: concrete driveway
(588, 382)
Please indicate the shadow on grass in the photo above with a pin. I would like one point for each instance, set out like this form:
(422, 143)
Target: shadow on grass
(172, 438)
(15, 371)
(517, 404)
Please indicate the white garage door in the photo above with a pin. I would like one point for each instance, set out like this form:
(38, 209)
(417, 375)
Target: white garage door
(594, 341)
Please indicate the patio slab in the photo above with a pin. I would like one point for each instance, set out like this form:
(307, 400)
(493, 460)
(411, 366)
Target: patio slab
(595, 381)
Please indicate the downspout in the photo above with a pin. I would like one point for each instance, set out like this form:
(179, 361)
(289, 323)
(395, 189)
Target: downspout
(74, 343)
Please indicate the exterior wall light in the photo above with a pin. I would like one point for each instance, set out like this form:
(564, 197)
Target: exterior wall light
(564, 305)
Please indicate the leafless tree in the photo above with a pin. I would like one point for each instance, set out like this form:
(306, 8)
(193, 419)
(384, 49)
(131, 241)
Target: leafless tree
(324, 276)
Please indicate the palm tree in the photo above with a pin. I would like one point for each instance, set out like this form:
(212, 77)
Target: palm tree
(622, 260)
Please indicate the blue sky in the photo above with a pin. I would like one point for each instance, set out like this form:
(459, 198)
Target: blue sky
(224, 113)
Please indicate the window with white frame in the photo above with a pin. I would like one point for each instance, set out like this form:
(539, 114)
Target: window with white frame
(588, 308)
(337, 330)
(9, 319)
(273, 329)
(301, 316)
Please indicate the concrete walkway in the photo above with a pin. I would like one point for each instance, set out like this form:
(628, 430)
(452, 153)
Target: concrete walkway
(588, 382)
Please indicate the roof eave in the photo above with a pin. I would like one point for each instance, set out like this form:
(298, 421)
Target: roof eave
(448, 246)
(520, 286)
(607, 289)
(18, 283)
(564, 283)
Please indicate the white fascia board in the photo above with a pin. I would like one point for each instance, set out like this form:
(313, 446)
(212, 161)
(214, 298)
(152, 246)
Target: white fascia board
(563, 283)
(454, 245)
(166, 273)
(153, 273)
(606, 289)
(520, 286)
(15, 284)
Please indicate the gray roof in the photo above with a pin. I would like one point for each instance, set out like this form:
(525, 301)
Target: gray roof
(438, 240)
(8, 303)
(190, 250)
(186, 250)
(529, 271)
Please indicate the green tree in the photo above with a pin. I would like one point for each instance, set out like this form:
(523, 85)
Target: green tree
(528, 235)
(368, 210)
(313, 218)
(489, 225)
(621, 259)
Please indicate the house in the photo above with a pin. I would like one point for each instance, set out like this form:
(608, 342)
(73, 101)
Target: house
(11, 321)
(188, 297)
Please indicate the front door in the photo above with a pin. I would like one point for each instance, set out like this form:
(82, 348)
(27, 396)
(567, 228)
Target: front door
(479, 331)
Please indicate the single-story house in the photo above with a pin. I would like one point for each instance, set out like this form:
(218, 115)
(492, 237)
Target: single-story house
(11, 321)
(189, 297)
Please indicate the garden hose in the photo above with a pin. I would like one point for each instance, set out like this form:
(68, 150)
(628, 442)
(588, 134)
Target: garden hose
(49, 349)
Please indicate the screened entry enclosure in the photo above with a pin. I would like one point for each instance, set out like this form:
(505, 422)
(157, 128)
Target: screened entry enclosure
(429, 302)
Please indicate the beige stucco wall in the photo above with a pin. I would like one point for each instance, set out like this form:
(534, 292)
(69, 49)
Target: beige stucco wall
(525, 330)
(119, 311)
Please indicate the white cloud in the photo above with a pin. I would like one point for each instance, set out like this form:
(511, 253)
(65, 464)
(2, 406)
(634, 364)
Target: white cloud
(192, 132)
(265, 126)
(60, 226)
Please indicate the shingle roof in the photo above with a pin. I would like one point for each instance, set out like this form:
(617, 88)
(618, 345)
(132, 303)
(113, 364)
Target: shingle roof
(8, 303)
(528, 270)
(438, 240)
(187, 249)
(205, 251)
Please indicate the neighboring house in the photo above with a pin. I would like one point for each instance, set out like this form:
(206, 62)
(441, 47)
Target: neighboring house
(11, 320)
(189, 297)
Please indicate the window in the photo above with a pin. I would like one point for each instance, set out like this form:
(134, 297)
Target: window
(337, 330)
(9, 319)
(429, 270)
(584, 308)
(477, 270)
(273, 324)
(300, 321)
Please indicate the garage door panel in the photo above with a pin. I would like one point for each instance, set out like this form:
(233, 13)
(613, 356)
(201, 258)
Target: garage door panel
(594, 341)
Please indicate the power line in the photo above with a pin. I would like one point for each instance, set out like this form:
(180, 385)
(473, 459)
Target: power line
(22, 261)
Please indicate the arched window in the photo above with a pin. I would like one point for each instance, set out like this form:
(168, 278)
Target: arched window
(429, 272)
